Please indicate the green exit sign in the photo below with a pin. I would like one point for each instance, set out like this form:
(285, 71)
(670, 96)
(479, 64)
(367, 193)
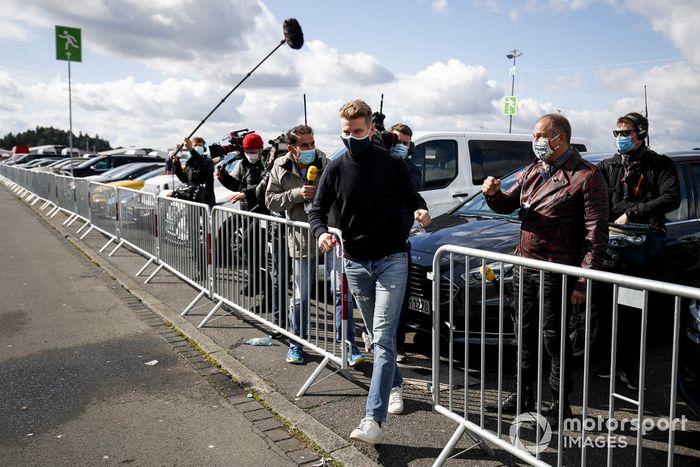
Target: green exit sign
(68, 44)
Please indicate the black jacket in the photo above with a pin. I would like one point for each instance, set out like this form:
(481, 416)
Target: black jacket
(370, 191)
(245, 178)
(652, 187)
(205, 175)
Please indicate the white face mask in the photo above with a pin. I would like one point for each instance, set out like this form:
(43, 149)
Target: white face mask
(252, 157)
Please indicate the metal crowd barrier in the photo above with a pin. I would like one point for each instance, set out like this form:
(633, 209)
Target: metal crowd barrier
(258, 273)
(184, 243)
(137, 225)
(598, 430)
(235, 258)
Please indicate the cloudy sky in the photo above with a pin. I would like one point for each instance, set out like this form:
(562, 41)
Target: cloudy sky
(151, 70)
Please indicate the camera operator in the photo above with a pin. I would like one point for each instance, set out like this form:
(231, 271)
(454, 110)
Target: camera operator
(244, 183)
(246, 176)
(199, 169)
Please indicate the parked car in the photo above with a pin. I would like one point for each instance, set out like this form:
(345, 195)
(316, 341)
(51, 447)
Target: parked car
(99, 165)
(138, 182)
(126, 172)
(473, 224)
(41, 162)
(453, 165)
(57, 166)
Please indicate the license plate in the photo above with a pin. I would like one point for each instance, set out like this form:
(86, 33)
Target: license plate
(418, 304)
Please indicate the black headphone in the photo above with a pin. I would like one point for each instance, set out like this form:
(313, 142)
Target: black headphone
(641, 132)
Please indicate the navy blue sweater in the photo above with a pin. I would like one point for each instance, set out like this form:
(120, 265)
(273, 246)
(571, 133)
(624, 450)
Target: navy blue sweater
(370, 191)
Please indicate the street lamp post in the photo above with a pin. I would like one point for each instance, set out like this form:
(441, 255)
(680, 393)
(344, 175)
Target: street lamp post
(513, 54)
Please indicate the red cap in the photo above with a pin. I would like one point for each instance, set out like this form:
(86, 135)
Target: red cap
(252, 141)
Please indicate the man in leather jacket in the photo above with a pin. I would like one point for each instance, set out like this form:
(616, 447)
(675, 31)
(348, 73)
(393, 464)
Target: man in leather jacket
(564, 212)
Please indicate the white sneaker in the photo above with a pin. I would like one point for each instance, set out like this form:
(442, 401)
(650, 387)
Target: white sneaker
(369, 431)
(396, 400)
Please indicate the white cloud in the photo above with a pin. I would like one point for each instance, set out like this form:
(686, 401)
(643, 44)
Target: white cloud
(440, 6)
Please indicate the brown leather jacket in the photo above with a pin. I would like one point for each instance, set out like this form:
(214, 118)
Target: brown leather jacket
(565, 218)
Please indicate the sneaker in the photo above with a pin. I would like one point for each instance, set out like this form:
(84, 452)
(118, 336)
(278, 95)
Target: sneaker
(631, 381)
(356, 357)
(366, 340)
(510, 404)
(295, 356)
(369, 431)
(396, 400)
(552, 414)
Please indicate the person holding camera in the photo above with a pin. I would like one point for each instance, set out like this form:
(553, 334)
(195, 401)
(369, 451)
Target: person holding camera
(246, 176)
(198, 171)
(244, 182)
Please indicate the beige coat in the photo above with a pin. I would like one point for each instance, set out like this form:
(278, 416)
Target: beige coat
(283, 194)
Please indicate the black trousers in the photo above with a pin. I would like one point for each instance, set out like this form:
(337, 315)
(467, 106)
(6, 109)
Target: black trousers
(552, 315)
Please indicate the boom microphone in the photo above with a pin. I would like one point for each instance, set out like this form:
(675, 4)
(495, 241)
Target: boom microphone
(293, 37)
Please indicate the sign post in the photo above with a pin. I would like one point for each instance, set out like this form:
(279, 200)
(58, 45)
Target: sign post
(69, 48)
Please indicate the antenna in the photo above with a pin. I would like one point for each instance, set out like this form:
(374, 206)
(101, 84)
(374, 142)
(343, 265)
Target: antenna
(381, 104)
(646, 113)
(305, 110)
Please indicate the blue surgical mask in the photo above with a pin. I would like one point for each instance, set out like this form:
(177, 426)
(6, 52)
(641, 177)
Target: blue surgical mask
(199, 149)
(624, 144)
(400, 150)
(307, 157)
(355, 145)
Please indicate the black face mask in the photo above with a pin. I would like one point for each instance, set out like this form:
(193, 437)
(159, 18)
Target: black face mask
(357, 146)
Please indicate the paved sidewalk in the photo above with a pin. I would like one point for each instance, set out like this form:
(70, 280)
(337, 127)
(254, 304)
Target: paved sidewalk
(91, 376)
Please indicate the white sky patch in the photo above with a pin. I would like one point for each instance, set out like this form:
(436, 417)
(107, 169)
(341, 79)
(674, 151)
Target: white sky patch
(440, 6)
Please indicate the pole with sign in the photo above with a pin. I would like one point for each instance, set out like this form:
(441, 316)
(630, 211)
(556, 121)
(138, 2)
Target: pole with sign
(69, 48)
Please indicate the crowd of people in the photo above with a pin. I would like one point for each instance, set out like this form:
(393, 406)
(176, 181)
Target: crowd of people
(370, 194)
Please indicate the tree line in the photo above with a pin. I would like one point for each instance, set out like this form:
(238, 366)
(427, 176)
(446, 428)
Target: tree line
(49, 135)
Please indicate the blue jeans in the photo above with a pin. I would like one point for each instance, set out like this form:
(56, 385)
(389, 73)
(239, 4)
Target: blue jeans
(378, 288)
(335, 270)
(304, 270)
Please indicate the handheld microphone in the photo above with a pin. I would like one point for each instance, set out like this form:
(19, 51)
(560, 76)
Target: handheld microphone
(311, 175)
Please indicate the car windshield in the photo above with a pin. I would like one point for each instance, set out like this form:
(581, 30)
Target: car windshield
(121, 170)
(151, 173)
(476, 206)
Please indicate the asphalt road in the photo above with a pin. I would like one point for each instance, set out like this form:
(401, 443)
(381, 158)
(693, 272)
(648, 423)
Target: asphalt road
(89, 376)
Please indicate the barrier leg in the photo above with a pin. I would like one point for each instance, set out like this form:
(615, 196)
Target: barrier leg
(153, 274)
(56, 211)
(116, 248)
(36, 200)
(46, 204)
(109, 242)
(82, 227)
(449, 447)
(145, 266)
(75, 218)
(309, 382)
(55, 208)
(70, 219)
(211, 313)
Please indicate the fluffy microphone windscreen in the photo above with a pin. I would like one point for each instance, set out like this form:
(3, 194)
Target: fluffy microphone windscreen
(293, 33)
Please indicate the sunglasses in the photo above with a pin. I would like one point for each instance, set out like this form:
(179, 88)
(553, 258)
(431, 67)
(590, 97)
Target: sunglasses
(617, 133)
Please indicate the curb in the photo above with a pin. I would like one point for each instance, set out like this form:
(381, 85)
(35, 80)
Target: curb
(339, 448)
